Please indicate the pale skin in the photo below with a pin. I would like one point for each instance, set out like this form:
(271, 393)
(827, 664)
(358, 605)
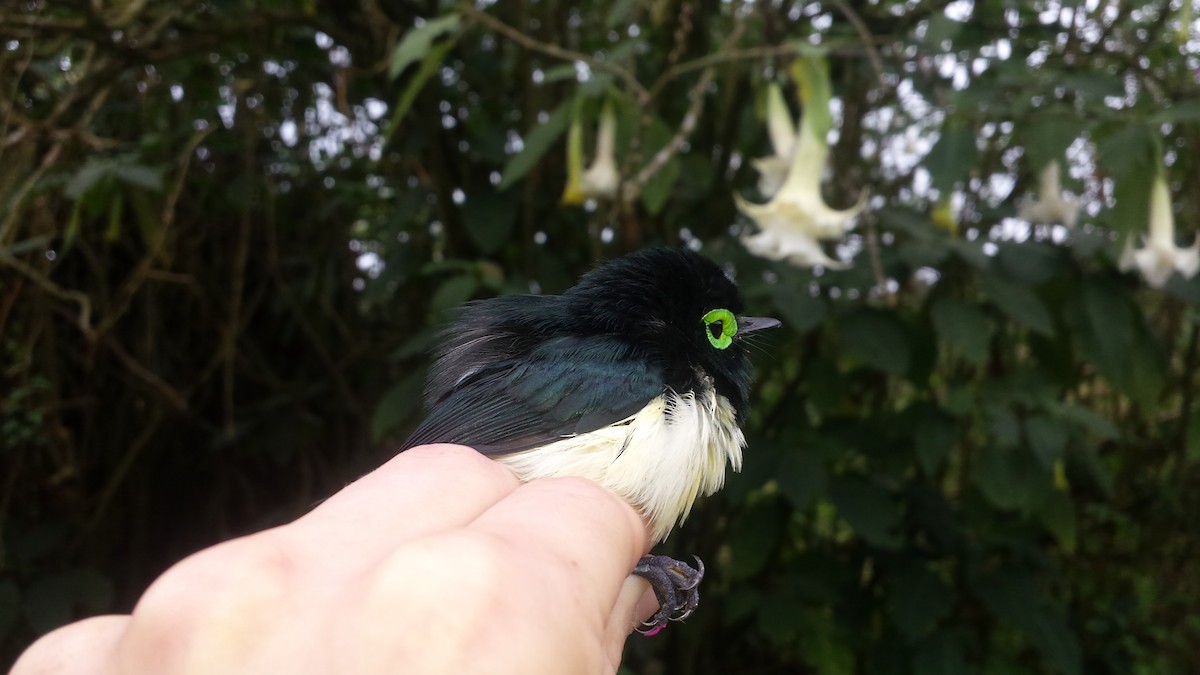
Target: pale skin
(440, 561)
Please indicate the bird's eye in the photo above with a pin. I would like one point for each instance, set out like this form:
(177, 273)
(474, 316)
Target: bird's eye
(720, 326)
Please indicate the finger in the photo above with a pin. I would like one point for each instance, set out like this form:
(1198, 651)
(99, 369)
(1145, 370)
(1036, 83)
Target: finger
(530, 584)
(420, 491)
(81, 648)
(572, 525)
(635, 604)
(269, 595)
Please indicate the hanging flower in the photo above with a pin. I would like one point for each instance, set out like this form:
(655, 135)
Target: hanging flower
(773, 170)
(796, 218)
(792, 245)
(1050, 206)
(601, 179)
(1159, 256)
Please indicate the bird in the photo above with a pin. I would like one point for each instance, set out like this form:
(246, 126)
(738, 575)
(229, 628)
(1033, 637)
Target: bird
(637, 378)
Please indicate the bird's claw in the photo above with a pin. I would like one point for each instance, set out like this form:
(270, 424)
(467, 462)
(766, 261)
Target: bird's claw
(676, 585)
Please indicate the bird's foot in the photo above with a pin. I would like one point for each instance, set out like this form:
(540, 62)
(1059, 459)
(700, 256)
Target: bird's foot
(676, 585)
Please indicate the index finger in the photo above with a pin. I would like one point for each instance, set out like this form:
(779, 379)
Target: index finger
(421, 491)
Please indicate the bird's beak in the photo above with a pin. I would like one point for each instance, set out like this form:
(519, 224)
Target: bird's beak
(751, 324)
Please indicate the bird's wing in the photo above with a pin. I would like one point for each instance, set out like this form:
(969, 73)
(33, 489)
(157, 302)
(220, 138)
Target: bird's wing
(565, 386)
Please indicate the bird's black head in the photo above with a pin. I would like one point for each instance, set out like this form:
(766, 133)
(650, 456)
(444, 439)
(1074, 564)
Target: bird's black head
(677, 308)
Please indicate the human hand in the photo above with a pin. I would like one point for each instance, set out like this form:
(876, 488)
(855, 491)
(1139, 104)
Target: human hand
(440, 561)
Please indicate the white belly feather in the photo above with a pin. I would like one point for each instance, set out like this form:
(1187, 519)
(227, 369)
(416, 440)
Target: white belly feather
(659, 460)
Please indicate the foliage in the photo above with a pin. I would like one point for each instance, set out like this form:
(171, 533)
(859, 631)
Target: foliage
(228, 232)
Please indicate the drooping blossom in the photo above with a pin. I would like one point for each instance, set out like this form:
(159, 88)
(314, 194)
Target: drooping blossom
(1159, 256)
(793, 222)
(600, 180)
(1050, 206)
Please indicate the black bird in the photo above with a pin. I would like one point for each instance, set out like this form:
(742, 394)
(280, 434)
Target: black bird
(636, 378)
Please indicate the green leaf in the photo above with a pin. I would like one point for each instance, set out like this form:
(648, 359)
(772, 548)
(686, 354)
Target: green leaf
(939, 28)
(1087, 418)
(871, 511)
(433, 61)
(489, 219)
(1011, 479)
(935, 435)
(658, 189)
(1047, 438)
(919, 599)
(1057, 514)
(1046, 137)
(417, 42)
(124, 168)
(801, 478)
(799, 311)
(1098, 82)
(951, 159)
(563, 71)
(962, 328)
(537, 143)
(1020, 303)
(397, 405)
(1030, 262)
(1129, 153)
(418, 343)
(971, 252)
(751, 544)
(998, 663)
(778, 619)
(1112, 335)
(823, 648)
(618, 11)
(453, 292)
(1003, 423)
(1187, 110)
(827, 387)
(877, 338)
(1015, 600)
(139, 175)
(942, 654)
(88, 175)
(38, 243)
(1127, 148)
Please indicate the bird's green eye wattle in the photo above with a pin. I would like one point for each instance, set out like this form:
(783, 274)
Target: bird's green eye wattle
(720, 326)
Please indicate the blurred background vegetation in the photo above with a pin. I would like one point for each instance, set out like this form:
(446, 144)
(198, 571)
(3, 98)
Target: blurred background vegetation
(229, 230)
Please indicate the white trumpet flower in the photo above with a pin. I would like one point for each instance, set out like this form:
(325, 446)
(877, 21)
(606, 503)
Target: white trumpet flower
(601, 178)
(1159, 257)
(796, 218)
(773, 170)
(1050, 206)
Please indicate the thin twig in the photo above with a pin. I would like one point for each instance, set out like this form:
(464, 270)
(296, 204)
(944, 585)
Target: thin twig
(557, 52)
(871, 236)
(16, 203)
(868, 39)
(159, 385)
(84, 320)
(681, 33)
(749, 53)
(6, 105)
(138, 276)
(631, 190)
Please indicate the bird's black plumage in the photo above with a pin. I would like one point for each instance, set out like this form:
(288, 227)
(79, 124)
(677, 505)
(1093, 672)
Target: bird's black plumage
(637, 378)
(517, 372)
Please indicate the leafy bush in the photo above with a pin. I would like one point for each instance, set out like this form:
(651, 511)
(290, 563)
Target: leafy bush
(228, 232)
